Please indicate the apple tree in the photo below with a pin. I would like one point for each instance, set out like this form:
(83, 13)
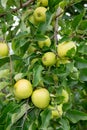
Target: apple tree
(43, 64)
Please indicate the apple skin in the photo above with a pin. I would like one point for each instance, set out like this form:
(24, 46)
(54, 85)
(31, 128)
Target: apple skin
(49, 59)
(46, 42)
(31, 49)
(41, 98)
(43, 2)
(23, 89)
(4, 50)
(32, 19)
(40, 14)
(65, 95)
(62, 61)
(56, 111)
(63, 48)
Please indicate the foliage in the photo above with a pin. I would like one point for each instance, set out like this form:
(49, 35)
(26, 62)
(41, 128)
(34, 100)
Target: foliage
(18, 31)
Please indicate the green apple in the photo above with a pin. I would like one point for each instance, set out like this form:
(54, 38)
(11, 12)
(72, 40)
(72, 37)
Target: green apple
(4, 50)
(43, 2)
(41, 98)
(40, 14)
(32, 19)
(65, 95)
(49, 59)
(66, 48)
(46, 42)
(23, 89)
(31, 49)
(56, 111)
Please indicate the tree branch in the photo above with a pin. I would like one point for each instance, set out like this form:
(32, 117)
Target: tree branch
(16, 9)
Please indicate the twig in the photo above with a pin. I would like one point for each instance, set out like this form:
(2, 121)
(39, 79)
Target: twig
(22, 6)
(58, 13)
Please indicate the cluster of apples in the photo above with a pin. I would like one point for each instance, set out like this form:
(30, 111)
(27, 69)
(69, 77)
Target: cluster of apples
(40, 97)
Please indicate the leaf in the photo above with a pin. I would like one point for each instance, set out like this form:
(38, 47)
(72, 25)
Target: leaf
(3, 85)
(81, 63)
(65, 124)
(14, 117)
(83, 74)
(77, 19)
(37, 74)
(4, 2)
(75, 115)
(45, 118)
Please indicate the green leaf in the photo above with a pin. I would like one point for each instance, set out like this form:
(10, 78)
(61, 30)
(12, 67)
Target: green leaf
(75, 115)
(4, 2)
(76, 20)
(3, 85)
(45, 118)
(83, 74)
(37, 70)
(81, 63)
(14, 117)
(65, 124)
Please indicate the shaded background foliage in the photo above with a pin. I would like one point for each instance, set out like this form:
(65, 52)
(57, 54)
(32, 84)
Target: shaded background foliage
(72, 25)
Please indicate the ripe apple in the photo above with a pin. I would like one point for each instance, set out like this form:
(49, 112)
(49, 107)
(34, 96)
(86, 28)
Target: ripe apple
(49, 59)
(65, 95)
(41, 98)
(66, 49)
(22, 89)
(56, 111)
(46, 42)
(40, 14)
(4, 50)
(42, 2)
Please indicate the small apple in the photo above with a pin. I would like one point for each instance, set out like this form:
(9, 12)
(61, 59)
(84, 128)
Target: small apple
(43, 2)
(65, 95)
(40, 14)
(32, 19)
(31, 49)
(56, 111)
(41, 98)
(74, 74)
(46, 42)
(49, 59)
(23, 89)
(4, 50)
(66, 49)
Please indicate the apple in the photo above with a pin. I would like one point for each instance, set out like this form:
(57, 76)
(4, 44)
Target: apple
(49, 59)
(32, 19)
(42, 2)
(65, 95)
(74, 74)
(23, 89)
(4, 50)
(66, 48)
(40, 14)
(31, 49)
(41, 98)
(56, 111)
(46, 42)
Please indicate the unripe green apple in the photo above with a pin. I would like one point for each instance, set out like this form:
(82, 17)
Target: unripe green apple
(66, 49)
(46, 42)
(32, 19)
(23, 89)
(49, 59)
(56, 111)
(31, 49)
(4, 50)
(65, 95)
(43, 2)
(40, 14)
(41, 98)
